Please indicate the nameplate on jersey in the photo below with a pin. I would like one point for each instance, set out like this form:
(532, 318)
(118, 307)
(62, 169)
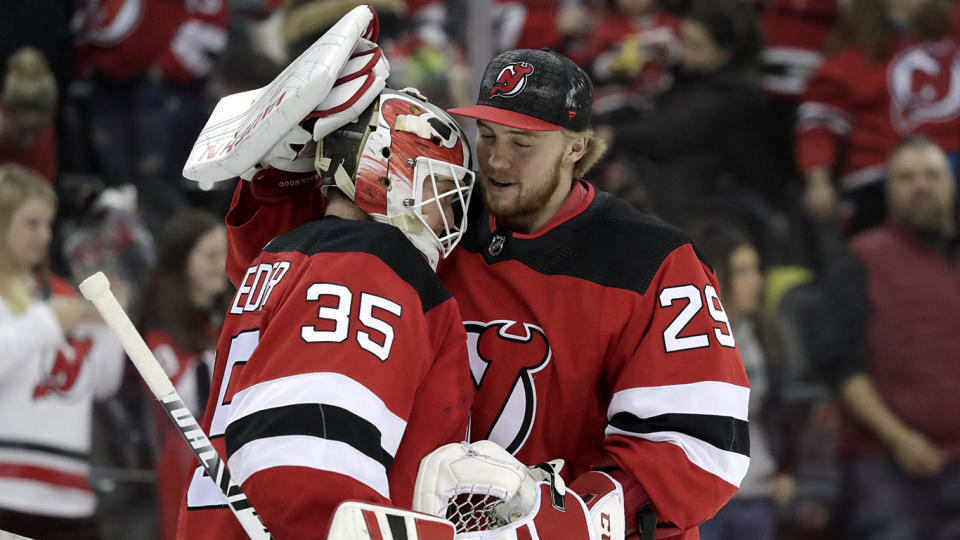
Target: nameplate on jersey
(257, 284)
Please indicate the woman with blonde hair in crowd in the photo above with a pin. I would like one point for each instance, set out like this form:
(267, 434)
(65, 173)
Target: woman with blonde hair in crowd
(56, 359)
(27, 104)
(181, 313)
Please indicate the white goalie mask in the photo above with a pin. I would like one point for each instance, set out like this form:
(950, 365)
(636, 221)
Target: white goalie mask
(401, 161)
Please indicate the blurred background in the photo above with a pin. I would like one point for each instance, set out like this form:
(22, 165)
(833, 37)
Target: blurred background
(763, 128)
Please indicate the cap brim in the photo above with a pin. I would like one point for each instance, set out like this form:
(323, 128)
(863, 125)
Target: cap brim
(505, 118)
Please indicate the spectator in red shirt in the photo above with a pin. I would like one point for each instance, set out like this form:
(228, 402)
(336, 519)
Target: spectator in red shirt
(149, 63)
(182, 311)
(27, 104)
(890, 74)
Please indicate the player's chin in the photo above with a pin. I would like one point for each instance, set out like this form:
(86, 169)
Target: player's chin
(500, 204)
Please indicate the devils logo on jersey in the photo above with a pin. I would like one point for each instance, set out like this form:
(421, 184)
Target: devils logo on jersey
(924, 83)
(512, 79)
(504, 355)
(66, 368)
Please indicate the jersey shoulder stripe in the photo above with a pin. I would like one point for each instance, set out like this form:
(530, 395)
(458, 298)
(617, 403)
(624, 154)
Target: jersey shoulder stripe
(707, 420)
(324, 420)
(610, 243)
(709, 428)
(310, 420)
(386, 242)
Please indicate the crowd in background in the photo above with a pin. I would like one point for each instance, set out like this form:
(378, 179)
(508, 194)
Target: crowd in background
(776, 133)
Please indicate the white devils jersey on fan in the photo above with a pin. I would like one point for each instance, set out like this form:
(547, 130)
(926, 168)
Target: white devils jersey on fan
(341, 363)
(47, 386)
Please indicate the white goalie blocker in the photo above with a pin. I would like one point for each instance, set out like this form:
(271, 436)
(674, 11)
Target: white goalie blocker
(332, 82)
(488, 494)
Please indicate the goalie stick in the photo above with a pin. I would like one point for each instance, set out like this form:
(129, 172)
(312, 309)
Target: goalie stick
(96, 289)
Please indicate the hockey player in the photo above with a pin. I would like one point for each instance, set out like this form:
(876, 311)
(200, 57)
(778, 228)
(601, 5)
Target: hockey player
(596, 334)
(342, 358)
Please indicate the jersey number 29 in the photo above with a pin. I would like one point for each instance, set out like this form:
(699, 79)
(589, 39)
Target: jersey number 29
(672, 341)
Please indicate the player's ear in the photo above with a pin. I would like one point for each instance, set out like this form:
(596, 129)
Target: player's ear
(576, 148)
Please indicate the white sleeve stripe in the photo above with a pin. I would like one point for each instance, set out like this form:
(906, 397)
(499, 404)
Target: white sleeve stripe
(729, 466)
(309, 452)
(812, 114)
(706, 397)
(324, 388)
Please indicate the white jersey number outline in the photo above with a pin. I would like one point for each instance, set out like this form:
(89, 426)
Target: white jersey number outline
(340, 315)
(672, 341)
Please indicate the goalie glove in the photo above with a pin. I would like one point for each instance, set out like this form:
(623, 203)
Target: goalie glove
(277, 126)
(489, 495)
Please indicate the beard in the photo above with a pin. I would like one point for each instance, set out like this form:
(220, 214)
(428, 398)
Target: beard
(530, 201)
(924, 215)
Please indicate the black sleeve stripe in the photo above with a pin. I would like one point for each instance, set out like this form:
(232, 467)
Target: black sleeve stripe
(723, 432)
(323, 421)
(386, 242)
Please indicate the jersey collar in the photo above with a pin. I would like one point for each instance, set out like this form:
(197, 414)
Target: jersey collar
(580, 197)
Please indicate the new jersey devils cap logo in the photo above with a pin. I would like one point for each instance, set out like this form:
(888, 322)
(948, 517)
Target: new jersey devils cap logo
(546, 91)
(511, 80)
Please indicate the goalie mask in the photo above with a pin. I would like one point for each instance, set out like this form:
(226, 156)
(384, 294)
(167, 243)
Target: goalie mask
(402, 161)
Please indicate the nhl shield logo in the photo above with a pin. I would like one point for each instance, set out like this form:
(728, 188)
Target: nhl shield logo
(511, 80)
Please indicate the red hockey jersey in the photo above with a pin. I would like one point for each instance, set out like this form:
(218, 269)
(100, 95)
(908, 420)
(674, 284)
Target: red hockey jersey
(341, 363)
(603, 337)
(864, 108)
(252, 223)
(123, 38)
(794, 34)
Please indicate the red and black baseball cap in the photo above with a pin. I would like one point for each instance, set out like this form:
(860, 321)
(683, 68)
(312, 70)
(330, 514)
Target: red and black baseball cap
(534, 90)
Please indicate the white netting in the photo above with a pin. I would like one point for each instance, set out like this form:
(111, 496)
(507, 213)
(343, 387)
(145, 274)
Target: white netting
(476, 510)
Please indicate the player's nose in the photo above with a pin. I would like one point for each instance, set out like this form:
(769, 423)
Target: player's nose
(497, 157)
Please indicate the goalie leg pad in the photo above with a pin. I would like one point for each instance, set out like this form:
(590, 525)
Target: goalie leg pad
(354, 520)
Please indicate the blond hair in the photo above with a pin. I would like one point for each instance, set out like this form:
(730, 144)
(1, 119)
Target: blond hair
(595, 150)
(28, 83)
(17, 184)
